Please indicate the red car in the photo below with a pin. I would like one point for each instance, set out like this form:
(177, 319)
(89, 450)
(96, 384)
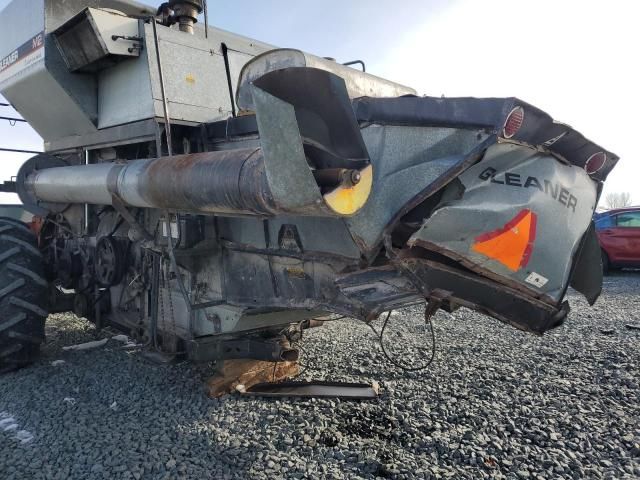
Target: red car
(619, 234)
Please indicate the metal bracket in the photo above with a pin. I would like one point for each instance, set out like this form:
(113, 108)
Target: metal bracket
(125, 37)
(207, 349)
(136, 46)
(315, 389)
(121, 208)
(435, 298)
(396, 261)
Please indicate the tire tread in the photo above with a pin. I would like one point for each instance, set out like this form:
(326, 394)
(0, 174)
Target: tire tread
(23, 296)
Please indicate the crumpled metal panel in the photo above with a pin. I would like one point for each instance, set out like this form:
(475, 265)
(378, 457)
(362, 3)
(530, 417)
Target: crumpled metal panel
(538, 128)
(406, 161)
(587, 273)
(558, 201)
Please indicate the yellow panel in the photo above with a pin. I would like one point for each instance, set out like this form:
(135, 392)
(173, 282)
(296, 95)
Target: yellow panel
(348, 200)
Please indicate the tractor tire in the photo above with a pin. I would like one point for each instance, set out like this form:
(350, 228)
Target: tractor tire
(23, 296)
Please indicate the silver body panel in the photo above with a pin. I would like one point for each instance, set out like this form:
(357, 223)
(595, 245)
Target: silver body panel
(43, 90)
(359, 84)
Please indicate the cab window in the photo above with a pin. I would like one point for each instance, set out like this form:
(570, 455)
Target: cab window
(628, 220)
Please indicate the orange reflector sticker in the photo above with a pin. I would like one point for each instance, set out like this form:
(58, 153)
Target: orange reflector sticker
(512, 244)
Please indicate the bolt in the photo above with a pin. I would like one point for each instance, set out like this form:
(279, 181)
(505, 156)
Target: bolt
(355, 177)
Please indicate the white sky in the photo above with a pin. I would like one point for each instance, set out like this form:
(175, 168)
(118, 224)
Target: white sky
(576, 59)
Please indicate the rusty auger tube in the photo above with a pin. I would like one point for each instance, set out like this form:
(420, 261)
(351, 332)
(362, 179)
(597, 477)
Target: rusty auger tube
(234, 182)
(230, 181)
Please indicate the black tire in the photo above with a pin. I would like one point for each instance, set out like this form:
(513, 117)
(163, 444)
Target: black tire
(606, 264)
(23, 296)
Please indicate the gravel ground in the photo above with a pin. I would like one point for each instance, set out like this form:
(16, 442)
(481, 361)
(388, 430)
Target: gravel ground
(496, 403)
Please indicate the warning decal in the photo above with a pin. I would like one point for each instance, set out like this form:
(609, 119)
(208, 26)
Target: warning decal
(512, 244)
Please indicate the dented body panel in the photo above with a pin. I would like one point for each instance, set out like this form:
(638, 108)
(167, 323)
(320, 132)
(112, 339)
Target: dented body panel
(518, 216)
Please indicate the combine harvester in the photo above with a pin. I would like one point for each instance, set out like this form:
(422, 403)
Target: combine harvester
(208, 193)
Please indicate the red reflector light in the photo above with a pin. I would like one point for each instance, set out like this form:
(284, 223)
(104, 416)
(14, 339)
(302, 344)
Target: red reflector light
(595, 162)
(514, 122)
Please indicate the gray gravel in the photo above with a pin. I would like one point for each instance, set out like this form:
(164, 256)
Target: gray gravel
(496, 403)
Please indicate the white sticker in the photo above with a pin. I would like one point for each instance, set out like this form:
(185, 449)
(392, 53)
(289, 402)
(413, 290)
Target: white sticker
(536, 280)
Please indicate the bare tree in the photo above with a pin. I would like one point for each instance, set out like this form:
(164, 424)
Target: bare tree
(617, 199)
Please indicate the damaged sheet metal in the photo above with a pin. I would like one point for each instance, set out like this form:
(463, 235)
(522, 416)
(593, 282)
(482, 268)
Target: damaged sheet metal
(517, 217)
(315, 124)
(400, 156)
(315, 389)
(537, 128)
(483, 295)
(587, 274)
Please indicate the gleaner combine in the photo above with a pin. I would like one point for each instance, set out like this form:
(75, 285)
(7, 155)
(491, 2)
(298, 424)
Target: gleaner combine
(205, 192)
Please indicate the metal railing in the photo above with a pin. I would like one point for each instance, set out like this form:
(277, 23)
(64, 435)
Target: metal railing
(13, 121)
